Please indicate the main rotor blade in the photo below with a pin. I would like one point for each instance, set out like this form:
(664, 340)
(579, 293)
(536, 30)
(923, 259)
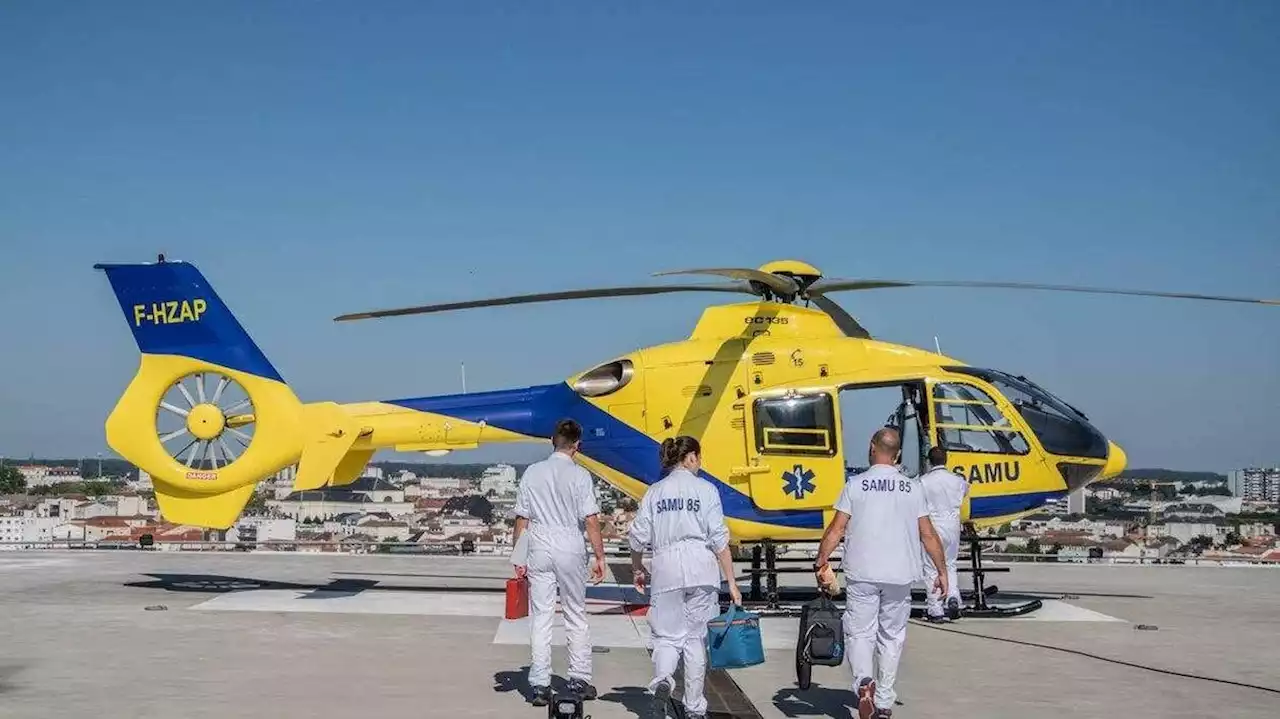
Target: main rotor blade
(779, 284)
(631, 291)
(843, 319)
(837, 285)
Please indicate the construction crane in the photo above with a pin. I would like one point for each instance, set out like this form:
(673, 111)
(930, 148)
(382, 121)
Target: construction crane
(1151, 518)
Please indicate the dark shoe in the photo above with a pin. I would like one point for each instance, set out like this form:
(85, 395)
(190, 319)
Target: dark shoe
(936, 618)
(953, 608)
(661, 695)
(541, 696)
(582, 689)
(866, 699)
(884, 713)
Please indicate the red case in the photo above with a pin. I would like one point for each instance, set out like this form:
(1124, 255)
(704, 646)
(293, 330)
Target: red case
(517, 598)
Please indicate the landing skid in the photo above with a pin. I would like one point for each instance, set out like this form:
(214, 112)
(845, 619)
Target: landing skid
(766, 598)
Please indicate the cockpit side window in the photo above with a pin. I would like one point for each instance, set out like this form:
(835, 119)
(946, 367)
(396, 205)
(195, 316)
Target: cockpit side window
(966, 419)
(796, 425)
(1062, 429)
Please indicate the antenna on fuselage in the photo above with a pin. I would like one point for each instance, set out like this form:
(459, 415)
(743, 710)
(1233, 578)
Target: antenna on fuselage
(936, 345)
(463, 367)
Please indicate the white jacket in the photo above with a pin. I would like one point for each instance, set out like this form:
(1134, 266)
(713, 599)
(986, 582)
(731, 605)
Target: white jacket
(682, 521)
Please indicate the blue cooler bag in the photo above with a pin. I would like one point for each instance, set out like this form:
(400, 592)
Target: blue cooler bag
(733, 640)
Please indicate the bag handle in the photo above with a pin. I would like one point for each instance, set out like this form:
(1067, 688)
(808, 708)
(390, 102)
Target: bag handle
(734, 611)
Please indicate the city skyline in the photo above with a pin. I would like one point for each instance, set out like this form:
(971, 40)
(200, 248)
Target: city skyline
(409, 459)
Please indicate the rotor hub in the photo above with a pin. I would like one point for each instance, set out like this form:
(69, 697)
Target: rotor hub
(795, 268)
(802, 274)
(206, 421)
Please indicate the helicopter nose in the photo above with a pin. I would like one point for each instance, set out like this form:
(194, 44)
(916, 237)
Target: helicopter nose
(1116, 461)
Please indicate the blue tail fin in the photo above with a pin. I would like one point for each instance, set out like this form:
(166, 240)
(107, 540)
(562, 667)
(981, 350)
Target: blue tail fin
(172, 310)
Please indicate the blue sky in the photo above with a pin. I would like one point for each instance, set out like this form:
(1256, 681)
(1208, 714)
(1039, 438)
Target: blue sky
(320, 158)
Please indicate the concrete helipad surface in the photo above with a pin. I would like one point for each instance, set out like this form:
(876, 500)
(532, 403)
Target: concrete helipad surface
(283, 635)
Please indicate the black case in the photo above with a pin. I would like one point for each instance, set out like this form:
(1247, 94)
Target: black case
(822, 632)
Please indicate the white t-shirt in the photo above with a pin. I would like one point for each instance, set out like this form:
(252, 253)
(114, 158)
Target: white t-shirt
(681, 519)
(882, 538)
(944, 493)
(556, 496)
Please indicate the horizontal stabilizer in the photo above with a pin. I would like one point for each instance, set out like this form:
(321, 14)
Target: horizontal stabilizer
(351, 467)
(328, 435)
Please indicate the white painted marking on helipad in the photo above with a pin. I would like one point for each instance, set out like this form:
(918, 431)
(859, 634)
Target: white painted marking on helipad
(369, 601)
(621, 632)
(775, 632)
(613, 631)
(373, 601)
(16, 564)
(1054, 610)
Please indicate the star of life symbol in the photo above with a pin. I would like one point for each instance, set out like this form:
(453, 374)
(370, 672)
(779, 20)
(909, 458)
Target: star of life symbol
(799, 482)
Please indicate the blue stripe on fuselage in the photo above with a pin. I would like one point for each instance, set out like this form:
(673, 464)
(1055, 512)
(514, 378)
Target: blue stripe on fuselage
(534, 411)
(980, 507)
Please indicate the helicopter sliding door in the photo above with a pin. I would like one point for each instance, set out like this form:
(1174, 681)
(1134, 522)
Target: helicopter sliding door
(985, 443)
(866, 408)
(796, 450)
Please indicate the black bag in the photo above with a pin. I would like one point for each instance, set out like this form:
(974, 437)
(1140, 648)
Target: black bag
(822, 632)
(821, 639)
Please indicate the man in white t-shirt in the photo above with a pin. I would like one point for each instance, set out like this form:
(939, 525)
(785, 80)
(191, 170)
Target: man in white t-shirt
(944, 494)
(555, 507)
(882, 517)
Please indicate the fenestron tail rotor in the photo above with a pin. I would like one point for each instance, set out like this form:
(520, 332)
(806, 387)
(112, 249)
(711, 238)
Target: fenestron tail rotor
(205, 420)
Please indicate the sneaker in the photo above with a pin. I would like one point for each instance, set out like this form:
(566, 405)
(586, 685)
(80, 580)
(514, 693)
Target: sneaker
(953, 608)
(661, 695)
(866, 698)
(694, 715)
(582, 689)
(936, 618)
(883, 713)
(541, 696)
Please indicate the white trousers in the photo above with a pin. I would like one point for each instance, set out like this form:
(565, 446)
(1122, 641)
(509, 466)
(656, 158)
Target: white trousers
(678, 620)
(549, 570)
(875, 628)
(949, 533)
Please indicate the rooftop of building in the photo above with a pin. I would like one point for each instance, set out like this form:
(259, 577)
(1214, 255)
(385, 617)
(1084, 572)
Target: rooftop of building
(375, 621)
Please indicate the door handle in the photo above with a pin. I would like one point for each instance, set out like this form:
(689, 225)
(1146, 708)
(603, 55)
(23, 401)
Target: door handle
(748, 471)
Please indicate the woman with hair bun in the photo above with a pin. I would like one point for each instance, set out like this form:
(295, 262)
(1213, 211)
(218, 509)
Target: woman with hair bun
(681, 520)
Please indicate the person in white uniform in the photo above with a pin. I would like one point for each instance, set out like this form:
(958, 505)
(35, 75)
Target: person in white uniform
(680, 518)
(555, 504)
(882, 517)
(944, 494)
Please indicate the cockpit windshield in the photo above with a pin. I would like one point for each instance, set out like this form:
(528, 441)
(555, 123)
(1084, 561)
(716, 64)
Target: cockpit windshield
(1061, 428)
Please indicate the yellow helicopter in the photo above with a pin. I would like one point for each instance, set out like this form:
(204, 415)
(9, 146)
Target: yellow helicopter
(758, 382)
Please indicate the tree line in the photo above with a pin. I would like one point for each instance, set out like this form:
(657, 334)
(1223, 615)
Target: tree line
(12, 482)
(1172, 475)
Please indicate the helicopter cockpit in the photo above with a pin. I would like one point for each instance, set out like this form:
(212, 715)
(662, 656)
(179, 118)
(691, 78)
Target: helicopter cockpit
(1061, 429)
(997, 428)
(968, 419)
